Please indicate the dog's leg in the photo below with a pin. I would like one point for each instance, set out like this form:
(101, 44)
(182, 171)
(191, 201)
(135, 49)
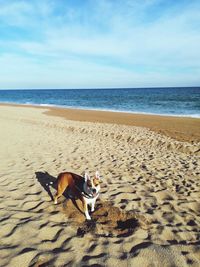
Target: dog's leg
(59, 193)
(56, 198)
(92, 205)
(85, 208)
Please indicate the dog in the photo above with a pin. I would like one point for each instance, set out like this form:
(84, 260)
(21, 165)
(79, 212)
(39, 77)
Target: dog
(78, 187)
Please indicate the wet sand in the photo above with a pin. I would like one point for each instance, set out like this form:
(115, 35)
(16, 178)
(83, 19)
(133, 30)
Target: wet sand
(179, 128)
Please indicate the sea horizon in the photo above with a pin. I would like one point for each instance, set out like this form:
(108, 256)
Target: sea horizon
(164, 101)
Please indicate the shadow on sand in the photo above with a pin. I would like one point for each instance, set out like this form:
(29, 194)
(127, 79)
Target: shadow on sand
(46, 180)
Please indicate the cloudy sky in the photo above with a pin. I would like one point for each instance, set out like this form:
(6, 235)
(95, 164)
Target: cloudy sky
(99, 43)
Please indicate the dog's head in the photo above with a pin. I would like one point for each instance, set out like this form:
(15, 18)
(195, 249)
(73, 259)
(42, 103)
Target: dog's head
(92, 185)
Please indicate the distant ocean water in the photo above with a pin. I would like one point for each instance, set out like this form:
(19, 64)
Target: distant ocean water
(163, 101)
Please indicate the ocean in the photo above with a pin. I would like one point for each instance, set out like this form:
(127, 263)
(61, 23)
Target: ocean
(163, 101)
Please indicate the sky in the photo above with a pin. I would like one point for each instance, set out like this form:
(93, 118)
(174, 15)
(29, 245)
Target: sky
(99, 43)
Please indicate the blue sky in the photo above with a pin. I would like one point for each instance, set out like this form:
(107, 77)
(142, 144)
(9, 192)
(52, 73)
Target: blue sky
(99, 43)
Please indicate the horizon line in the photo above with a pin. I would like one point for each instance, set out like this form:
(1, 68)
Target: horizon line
(102, 88)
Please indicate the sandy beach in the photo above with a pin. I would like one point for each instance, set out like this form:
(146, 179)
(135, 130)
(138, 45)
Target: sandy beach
(148, 212)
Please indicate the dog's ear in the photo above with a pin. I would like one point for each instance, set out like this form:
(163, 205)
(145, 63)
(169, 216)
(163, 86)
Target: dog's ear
(97, 175)
(87, 177)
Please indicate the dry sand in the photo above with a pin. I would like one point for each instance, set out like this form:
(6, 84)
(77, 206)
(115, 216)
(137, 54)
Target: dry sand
(148, 213)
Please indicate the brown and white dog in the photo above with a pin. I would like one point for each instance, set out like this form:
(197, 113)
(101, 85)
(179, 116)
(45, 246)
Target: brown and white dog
(84, 188)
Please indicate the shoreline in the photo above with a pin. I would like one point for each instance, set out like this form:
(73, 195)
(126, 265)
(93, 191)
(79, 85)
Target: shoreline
(179, 128)
(196, 116)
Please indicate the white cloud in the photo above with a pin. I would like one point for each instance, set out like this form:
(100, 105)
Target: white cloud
(118, 45)
(65, 73)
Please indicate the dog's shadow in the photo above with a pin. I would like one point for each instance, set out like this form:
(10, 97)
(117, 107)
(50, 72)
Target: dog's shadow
(48, 181)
